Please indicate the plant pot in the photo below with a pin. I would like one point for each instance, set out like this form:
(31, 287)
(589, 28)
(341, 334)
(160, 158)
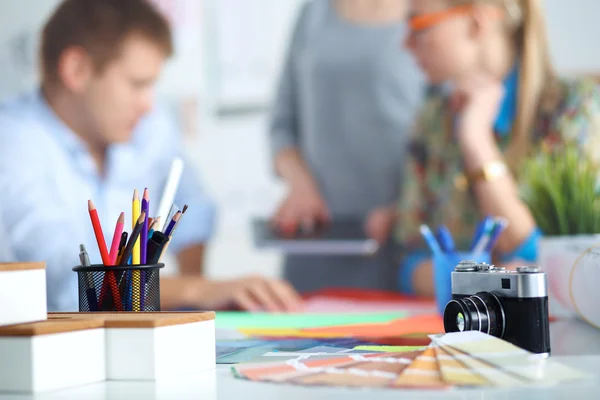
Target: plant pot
(557, 256)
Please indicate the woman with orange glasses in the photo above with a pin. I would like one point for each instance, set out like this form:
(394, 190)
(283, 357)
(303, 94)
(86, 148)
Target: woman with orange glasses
(501, 104)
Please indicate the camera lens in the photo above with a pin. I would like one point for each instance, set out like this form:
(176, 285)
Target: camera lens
(481, 312)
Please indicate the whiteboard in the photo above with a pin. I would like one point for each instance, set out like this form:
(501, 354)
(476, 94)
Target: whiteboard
(250, 39)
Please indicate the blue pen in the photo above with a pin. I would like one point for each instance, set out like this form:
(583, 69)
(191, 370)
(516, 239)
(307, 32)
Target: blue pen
(430, 240)
(499, 227)
(445, 239)
(480, 229)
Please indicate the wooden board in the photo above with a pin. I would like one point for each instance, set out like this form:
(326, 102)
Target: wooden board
(49, 327)
(21, 266)
(139, 320)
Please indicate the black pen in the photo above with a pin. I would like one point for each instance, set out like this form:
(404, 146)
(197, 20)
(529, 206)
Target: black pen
(156, 245)
(133, 238)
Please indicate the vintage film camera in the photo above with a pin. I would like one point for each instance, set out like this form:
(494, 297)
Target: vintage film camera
(511, 305)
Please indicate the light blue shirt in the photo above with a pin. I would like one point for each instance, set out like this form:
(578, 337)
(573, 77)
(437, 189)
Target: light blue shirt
(47, 177)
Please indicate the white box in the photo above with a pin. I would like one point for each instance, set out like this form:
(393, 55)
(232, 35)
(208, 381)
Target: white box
(22, 293)
(51, 355)
(154, 346)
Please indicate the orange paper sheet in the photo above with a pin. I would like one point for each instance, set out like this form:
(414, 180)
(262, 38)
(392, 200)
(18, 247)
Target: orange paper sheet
(423, 324)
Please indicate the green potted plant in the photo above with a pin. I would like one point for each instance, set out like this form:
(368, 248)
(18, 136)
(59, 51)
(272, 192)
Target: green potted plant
(560, 187)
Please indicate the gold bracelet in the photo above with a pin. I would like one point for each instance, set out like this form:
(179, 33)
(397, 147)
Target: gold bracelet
(488, 172)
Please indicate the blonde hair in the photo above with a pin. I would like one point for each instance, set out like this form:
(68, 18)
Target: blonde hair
(526, 22)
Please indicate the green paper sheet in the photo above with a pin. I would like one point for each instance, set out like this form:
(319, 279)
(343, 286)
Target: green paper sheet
(237, 320)
(390, 349)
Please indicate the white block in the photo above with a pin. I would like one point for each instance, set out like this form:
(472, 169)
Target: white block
(22, 293)
(44, 362)
(160, 352)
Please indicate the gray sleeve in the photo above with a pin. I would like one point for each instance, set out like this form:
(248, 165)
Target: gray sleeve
(284, 123)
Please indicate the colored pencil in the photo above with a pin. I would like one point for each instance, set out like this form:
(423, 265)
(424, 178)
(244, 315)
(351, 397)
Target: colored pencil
(150, 223)
(98, 232)
(104, 254)
(144, 246)
(170, 190)
(172, 223)
(174, 209)
(145, 228)
(166, 246)
(114, 248)
(135, 214)
(134, 241)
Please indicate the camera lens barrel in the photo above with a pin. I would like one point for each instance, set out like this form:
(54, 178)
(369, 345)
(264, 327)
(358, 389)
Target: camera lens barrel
(481, 312)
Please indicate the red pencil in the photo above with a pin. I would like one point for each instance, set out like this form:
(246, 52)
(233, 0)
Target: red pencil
(98, 232)
(104, 254)
(114, 248)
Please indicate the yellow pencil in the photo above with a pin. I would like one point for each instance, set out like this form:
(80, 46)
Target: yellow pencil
(135, 255)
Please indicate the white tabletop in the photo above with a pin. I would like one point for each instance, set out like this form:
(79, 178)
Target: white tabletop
(573, 343)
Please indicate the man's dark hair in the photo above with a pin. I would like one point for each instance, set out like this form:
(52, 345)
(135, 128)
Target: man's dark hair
(100, 27)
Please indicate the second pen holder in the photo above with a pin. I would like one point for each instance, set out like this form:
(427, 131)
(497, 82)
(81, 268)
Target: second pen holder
(134, 288)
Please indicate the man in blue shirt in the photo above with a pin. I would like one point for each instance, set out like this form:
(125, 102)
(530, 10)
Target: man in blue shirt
(90, 132)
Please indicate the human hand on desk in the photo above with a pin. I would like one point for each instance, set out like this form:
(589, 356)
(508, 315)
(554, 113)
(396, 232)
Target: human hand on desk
(255, 293)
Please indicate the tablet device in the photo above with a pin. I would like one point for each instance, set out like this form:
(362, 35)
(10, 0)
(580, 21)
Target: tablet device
(338, 237)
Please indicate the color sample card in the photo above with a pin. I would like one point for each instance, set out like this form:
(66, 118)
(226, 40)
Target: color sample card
(423, 372)
(508, 357)
(369, 370)
(463, 370)
(465, 359)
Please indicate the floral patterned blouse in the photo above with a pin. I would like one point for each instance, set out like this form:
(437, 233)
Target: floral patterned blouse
(435, 191)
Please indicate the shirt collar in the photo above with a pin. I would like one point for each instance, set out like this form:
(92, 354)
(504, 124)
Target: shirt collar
(508, 107)
(58, 128)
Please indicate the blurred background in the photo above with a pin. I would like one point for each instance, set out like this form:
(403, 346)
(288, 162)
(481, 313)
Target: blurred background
(220, 84)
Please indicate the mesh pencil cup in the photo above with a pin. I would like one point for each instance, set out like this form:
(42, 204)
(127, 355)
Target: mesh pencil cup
(133, 288)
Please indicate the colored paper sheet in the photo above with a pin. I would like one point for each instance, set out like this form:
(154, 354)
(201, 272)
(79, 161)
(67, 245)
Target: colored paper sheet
(293, 321)
(334, 305)
(390, 349)
(426, 324)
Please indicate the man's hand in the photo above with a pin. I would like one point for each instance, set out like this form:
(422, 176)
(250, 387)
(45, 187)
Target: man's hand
(249, 294)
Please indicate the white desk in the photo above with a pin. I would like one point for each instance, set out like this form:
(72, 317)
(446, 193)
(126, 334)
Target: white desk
(573, 343)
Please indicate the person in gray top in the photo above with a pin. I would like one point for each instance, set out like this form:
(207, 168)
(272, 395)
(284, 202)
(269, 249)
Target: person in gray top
(347, 98)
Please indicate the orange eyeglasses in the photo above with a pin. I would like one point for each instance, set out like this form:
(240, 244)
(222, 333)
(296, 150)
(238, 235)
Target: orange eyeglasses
(425, 21)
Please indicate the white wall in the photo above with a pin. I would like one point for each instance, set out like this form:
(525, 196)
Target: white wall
(228, 56)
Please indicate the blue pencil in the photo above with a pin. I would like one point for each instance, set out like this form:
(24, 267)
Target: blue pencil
(445, 239)
(430, 240)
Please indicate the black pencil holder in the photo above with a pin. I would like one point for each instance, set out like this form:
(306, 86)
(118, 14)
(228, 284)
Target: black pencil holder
(134, 288)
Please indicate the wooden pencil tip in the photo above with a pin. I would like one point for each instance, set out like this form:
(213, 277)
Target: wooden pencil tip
(185, 209)
(146, 194)
(122, 218)
(136, 195)
(91, 205)
(142, 218)
(177, 216)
